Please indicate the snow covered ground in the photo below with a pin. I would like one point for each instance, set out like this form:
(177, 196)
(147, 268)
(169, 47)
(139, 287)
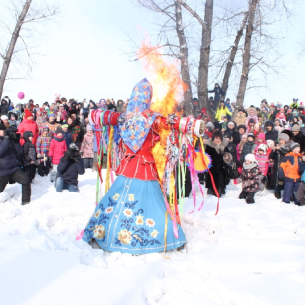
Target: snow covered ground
(248, 254)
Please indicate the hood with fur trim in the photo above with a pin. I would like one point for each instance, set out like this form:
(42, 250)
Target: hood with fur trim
(219, 148)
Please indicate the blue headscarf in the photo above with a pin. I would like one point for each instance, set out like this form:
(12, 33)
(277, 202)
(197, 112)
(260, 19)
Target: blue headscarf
(138, 120)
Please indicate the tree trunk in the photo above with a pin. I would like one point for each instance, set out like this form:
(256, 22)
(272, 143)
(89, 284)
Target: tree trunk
(10, 50)
(205, 58)
(246, 58)
(183, 56)
(226, 77)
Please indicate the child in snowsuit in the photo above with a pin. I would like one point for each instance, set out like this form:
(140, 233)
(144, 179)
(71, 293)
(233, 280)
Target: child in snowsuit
(248, 148)
(57, 150)
(42, 149)
(87, 148)
(29, 154)
(262, 160)
(250, 179)
(291, 168)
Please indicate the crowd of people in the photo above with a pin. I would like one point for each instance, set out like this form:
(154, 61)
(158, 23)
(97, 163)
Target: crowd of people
(261, 147)
(54, 139)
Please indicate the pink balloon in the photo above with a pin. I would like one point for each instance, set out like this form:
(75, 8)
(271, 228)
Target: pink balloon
(21, 95)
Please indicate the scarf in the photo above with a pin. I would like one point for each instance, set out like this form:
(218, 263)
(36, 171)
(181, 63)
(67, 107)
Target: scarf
(250, 166)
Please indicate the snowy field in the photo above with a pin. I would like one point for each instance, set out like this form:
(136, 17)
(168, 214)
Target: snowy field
(248, 254)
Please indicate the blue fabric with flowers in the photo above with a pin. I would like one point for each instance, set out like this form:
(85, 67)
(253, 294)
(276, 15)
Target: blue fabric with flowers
(136, 127)
(131, 218)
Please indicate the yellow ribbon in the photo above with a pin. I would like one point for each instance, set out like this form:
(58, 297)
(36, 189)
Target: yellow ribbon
(107, 184)
(165, 236)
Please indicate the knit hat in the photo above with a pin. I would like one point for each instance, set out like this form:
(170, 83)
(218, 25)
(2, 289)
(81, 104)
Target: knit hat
(45, 129)
(205, 137)
(217, 134)
(284, 136)
(270, 143)
(251, 135)
(294, 145)
(4, 117)
(89, 127)
(27, 113)
(58, 130)
(51, 114)
(2, 127)
(251, 121)
(261, 136)
(231, 123)
(227, 135)
(65, 125)
(296, 127)
(250, 157)
(262, 147)
(210, 125)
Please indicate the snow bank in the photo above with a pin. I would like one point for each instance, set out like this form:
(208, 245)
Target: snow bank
(248, 254)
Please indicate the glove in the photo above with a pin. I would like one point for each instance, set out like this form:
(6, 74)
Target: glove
(280, 182)
(39, 156)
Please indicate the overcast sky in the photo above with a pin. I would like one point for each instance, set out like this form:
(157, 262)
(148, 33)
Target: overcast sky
(84, 55)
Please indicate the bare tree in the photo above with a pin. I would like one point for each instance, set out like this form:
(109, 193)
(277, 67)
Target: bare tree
(25, 17)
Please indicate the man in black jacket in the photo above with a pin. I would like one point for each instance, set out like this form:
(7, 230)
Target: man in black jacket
(10, 159)
(218, 93)
(69, 167)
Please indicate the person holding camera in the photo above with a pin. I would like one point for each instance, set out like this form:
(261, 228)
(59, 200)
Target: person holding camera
(10, 160)
(69, 167)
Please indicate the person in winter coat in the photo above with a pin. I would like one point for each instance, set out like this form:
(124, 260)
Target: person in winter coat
(28, 125)
(297, 136)
(218, 93)
(228, 104)
(231, 146)
(75, 128)
(69, 167)
(41, 119)
(4, 107)
(4, 120)
(248, 147)
(119, 107)
(66, 133)
(252, 114)
(29, 154)
(57, 150)
(13, 118)
(275, 158)
(203, 114)
(250, 127)
(270, 133)
(216, 147)
(222, 110)
(294, 104)
(86, 149)
(10, 161)
(262, 158)
(281, 115)
(209, 129)
(52, 124)
(290, 171)
(241, 130)
(250, 179)
(231, 128)
(240, 118)
(300, 195)
(42, 149)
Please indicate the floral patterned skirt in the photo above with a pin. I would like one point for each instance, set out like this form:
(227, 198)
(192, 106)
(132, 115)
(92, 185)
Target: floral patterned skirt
(131, 218)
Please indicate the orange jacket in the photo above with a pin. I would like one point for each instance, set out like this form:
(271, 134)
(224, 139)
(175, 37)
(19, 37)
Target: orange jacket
(291, 166)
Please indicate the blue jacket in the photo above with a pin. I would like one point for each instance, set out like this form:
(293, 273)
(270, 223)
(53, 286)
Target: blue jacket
(68, 138)
(10, 156)
(69, 170)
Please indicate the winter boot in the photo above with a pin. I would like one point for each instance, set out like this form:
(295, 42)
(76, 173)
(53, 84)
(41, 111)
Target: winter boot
(243, 195)
(250, 198)
(277, 195)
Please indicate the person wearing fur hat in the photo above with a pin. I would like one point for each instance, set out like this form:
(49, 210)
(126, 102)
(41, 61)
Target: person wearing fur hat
(216, 147)
(252, 114)
(248, 147)
(290, 171)
(297, 135)
(270, 133)
(57, 150)
(28, 124)
(42, 149)
(275, 158)
(87, 147)
(231, 128)
(250, 179)
(240, 118)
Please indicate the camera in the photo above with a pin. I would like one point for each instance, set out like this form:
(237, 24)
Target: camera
(73, 152)
(11, 133)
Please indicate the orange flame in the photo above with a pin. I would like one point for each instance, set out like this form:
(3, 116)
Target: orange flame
(168, 89)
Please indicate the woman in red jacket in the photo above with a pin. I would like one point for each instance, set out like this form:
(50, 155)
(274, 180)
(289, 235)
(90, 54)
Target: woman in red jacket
(28, 124)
